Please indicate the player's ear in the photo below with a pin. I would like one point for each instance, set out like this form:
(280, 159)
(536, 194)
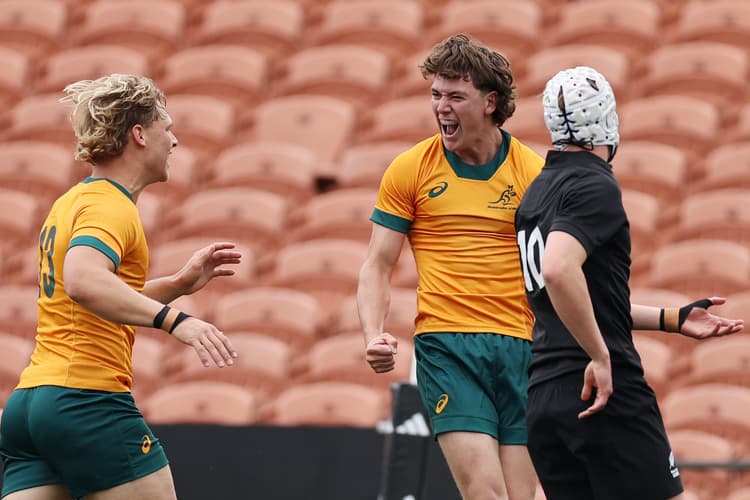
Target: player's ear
(136, 134)
(490, 102)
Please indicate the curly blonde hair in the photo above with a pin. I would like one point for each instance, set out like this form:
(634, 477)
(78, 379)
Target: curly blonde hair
(106, 109)
(461, 57)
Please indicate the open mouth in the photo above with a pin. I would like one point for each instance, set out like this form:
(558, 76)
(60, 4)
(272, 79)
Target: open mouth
(448, 128)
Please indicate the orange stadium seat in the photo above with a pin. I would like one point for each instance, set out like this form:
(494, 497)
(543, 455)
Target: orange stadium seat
(321, 123)
(545, 63)
(701, 267)
(282, 168)
(41, 117)
(35, 28)
(727, 165)
(19, 217)
(400, 319)
(643, 211)
(185, 175)
(341, 213)
(651, 167)
(688, 123)
(14, 357)
(201, 402)
(151, 211)
(740, 494)
(203, 123)
(18, 316)
(357, 74)
(738, 305)
(720, 409)
(363, 165)
(263, 364)
(408, 79)
(656, 358)
(633, 27)
(690, 446)
(527, 122)
(698, 69)
(274, 27)
(88, 63)
(721, 214)
(402, 119)
(513, 28)
(149, 356)
(245, 215)
(290, 315)
(342, 358)
(721, 360)
(726, 21)
(330, 403)
(15, 79)
(43, 169)
(390, 26)
(236, 74)
(740, 131)
(151, 28)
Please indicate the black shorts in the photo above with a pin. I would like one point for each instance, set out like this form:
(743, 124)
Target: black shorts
(621, 453)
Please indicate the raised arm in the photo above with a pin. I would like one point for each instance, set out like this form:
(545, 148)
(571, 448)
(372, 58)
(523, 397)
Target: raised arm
(373, 296)
(692, 320)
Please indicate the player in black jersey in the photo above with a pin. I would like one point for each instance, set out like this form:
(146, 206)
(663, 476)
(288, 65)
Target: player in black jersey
(574, 242)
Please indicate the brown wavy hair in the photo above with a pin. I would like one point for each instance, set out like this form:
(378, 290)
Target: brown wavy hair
(460, 56)
(105, 109)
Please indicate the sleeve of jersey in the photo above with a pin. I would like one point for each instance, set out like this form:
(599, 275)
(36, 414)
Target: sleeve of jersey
(395, 206)
(103, 224)
(591, 212)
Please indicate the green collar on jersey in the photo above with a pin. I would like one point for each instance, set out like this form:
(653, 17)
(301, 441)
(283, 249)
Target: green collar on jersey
(118, 186)
(479, 172)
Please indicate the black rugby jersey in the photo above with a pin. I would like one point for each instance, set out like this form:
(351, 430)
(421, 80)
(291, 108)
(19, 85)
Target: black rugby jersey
(576, 192)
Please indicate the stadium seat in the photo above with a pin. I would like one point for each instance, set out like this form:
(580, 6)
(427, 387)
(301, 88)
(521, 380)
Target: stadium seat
(399, 321)
(644, 213)
(401, 119)
(149, 361)
(688, 123)
(87, 63)
(633, 27)
(19, 217)
(737, 305)
(36, 28)
(243, 215)
(390, 26)
(527, 122)
(321, 123)
(330, 403)
(203, 123)
(151, 28)
(696, 447)
(290, 315)
(363, 165)
(408, 79)
(341, 213)
(169, 256)
(201, 402)
(41, 117)
(702, 267)
(151, 211)
(721, 214)
(43, 169)
(725, 21)
(727, 165)
(18, 316)
(656, 358)
(15, 80)
(740, 494)
(546, 62)
(359, 75)
(651, 167)
(185, 176)
(513, 28)
(698, 69)
(286, 169)
(236, 74)
(342, 358)
(274, 27)
(14, 357)
(263, 364)
(740, 131)
(721, 360)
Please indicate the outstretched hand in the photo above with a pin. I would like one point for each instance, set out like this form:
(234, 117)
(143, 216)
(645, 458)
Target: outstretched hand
(381, 351)
(206, 264)
(209, 342)
(598, 375)
(701, 324)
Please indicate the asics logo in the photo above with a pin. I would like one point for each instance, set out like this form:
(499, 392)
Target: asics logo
(146, 444)
(441, 404)
(438, 190)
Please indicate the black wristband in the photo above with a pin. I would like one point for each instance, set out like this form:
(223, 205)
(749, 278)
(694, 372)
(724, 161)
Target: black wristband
(661, 319)
(685, 310)
(180, 318)
(159, 318)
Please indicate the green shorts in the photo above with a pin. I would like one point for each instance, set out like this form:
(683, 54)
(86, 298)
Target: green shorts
(475, 382)
(87, 440)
